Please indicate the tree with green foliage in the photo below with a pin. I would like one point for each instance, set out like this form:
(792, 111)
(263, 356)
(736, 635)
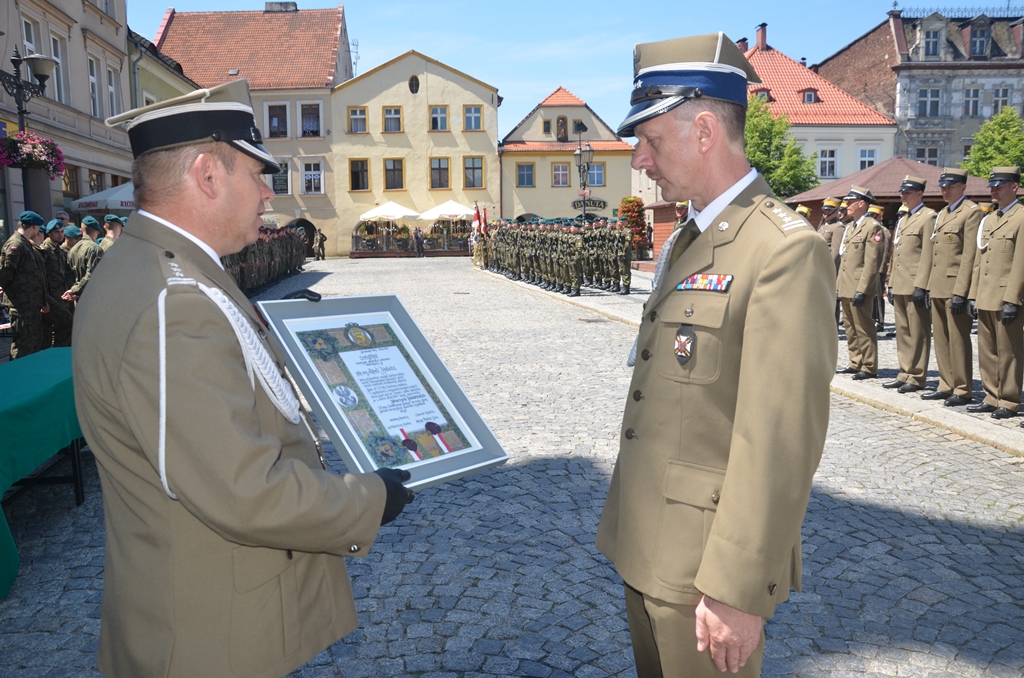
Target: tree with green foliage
(999, 143)
(775, 154)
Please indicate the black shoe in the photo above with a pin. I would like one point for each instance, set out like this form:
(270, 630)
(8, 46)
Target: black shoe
(890, 334)
(624, 290)
(908, 388)
(1003, 413)
(848, 370)
(863, 375)
(935, 395)
(574, 293)
(956, 401)
(895, 383)
(879, 327)
(981, 408)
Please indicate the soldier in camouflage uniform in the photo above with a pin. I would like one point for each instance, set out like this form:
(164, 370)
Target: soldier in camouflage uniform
(23, 280)
(624, 256)
(112, 226)
(59, 280)
(84, 257)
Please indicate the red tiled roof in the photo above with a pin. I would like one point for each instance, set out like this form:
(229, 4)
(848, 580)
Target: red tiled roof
(884, 179)
(562, 146)
(562, 97)
(787, 80)
(272, 50)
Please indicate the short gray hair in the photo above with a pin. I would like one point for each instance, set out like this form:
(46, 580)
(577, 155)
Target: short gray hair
(161, 173)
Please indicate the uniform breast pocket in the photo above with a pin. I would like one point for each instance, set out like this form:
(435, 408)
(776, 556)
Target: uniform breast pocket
(1002, 244)
(690, 338)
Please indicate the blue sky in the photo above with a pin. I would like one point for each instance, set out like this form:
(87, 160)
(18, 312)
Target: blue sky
(527, 49)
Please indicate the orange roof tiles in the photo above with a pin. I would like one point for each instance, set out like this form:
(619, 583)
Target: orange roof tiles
(562, 146)
(272, 50)
(787, 80)
(562, 97)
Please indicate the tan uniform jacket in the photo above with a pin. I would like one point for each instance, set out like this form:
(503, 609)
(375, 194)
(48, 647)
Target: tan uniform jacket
(243, 574)
(912, 247)
(954, 245)
(863, 249)
(714, 474)
(833, 235)
(999, 264)
(883, 263)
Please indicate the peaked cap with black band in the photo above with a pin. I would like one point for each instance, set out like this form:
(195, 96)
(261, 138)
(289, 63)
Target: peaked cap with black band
(670, 72)
(221, 113)
(913, 184)
(952, 175)
(1003, 175)
(860, 193)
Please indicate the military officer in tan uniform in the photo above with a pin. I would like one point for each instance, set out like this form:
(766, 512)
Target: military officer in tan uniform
(954, 244)
(997, 288)
(703, 514)
(878, 303)
(226, 536)
(909, 269)
(831, 228)
(862, 250)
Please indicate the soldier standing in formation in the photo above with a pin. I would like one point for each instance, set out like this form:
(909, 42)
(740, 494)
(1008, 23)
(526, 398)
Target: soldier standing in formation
(954, 245)
(909, 270)
(23, 280)
(878, 308)
(320, 241)
(112, 225)
(997, 288)
(860, 253)
(83, 258)
(59, 280)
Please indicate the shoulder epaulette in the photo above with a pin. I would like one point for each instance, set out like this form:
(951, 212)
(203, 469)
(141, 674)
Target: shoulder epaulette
(784, 218)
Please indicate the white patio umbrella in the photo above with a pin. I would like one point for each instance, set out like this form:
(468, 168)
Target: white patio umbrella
(117, 198)
(389, 211)
(448, 210)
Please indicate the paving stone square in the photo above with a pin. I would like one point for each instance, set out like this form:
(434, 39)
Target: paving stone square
(913, 541)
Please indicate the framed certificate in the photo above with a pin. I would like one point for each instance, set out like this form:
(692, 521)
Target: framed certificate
(382, 394)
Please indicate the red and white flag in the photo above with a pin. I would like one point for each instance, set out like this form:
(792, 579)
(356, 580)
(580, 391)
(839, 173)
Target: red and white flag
(476, 215)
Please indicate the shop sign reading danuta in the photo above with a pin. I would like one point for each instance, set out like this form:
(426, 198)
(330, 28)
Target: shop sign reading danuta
(592, 204)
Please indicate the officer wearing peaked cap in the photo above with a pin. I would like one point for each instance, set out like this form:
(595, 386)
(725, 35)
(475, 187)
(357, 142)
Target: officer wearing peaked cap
(954, 245)
(878, 308)
(226, 536)
(863, 247)
(909, 269)
(704, 532)
(997, 286)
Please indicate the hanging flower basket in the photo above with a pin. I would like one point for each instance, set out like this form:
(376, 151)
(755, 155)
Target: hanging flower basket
(26, 149)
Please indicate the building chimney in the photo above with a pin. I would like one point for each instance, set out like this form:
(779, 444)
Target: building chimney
(762, 36)
(281, 7)
(742, 44)
(803, 60)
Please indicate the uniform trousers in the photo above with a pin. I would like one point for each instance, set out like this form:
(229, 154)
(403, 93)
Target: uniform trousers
(861, 336)
(1001, 359)
(913, 340)
(953, 350)
(664, 637)
(29, 333)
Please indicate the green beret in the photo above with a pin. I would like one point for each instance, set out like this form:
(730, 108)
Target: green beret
(90, 222)
(72, 231)
(110, 218)
(30, 218)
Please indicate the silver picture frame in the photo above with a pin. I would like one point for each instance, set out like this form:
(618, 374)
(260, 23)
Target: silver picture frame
(378, 388)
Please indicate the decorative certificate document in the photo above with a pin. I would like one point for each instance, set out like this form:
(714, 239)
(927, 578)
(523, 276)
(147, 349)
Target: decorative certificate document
(379, 389)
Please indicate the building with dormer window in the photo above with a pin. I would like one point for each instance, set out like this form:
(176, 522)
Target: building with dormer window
(939, 76)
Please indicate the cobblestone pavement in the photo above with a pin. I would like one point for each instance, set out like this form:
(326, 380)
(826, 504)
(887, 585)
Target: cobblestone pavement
(914, 547)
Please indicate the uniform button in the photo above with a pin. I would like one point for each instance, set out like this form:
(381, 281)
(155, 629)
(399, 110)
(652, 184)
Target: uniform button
(289, 554)
(353, 549)
(646, 355)
(769, 204)
(771, 589)
(715, 497)
(688, 312)
(169, 254)
(638, 395)
(654, 316)
(630, 434)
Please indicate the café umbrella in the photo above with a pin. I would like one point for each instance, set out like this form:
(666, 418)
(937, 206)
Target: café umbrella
(117, 198)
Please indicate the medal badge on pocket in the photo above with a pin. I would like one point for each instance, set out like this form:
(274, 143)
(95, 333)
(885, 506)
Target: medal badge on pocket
(686, 343)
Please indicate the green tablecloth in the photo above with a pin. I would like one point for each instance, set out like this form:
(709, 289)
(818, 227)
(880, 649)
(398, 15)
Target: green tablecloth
(37, 419)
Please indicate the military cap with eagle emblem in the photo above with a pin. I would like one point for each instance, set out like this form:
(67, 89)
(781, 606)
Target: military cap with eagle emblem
(859, 193)
(221, 113)
(912, 184)
(1003, 175)
(952, 175)
(671, 72)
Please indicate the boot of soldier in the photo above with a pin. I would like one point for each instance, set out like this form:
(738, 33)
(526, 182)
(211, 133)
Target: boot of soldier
(575, 292)
(615, 287)
(624, 290)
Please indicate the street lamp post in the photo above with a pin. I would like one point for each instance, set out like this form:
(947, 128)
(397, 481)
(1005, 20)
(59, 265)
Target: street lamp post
(23, 91)
(584, 155)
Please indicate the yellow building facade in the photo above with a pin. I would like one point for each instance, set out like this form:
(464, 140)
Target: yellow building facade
(539, 173)
(416, 132)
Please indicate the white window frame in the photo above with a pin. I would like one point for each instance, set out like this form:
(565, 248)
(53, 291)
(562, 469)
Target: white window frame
(148, 98)
(439, 113)
(309, 172)
(364, 117)
(392, 116)
(301, 133)
(287, 118)
(29, 44)
(932, 40)
(980, 38)
(93, 69)
(834, 159)
(932, 99)
(519, 175)
(447, 169)
(401, 176)
(556, 173)
(924, 158)
(972, 102)
(58, 48)
(286, 163)
(112, 82)
(479, 117)
(466, 172)
(810, 96)
(861, 158)
(591, 173)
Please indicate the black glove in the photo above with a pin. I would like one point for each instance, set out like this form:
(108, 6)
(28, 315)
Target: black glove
(918, 297)
(956, 305)
(1008, 314)
(398, 494)
(858, 299)
(307, 294)
(972, 309)
(888, 295)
